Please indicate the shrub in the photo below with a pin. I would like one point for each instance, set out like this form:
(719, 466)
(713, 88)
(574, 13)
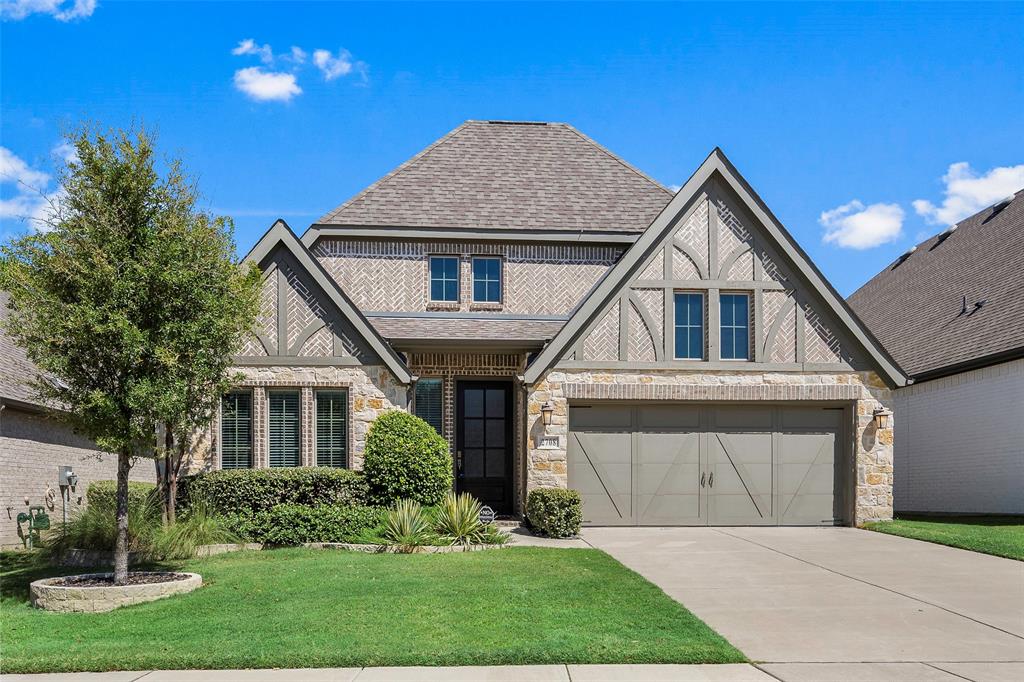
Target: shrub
(407, 526)
(294, 524)
(104, 493)
(405, 458)
(249, 491)
(458, 519)
(196, 526)
(95, 527)
(555, 512)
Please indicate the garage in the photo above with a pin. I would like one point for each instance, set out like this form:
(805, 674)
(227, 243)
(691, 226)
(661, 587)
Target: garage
(709, 464)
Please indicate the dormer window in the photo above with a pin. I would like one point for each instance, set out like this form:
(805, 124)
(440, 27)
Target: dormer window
(486, 280)
(444, 279)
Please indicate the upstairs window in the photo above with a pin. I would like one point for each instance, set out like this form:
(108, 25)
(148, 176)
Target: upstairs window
(444, 279)
(689, 326)
(487, 280)
(331, 431)
(735, 331)
(283, 428)
(428, 399)
(236, 430)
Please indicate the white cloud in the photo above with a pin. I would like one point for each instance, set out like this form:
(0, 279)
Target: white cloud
(856, 226)
(14, 170)
(33, 201)
(674, 188)
(298, 55)
(61, 10)
(266, 85)
(967, 192)
(65, 152)
(249, 46)
(332, 67)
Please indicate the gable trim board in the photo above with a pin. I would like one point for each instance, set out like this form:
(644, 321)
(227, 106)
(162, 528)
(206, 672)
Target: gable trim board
(568, 236)
(618, 277)
(281, 235)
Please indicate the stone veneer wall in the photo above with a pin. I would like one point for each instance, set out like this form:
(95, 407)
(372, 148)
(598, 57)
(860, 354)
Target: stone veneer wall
(547, 467)
(372, 390)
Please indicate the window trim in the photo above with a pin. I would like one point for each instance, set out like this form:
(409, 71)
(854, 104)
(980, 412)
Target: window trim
(252, 430)
(297, 391)
(501, 279)
(316, 426)
(749, 326)
(703, 324)
(458, 279)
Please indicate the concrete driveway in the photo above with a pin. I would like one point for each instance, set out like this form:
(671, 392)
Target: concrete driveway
(813, 596)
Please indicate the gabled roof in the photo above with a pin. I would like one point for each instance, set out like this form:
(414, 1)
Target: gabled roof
(622, 272)
(484, 329)
(916, 305)
(508, 175)
(281, 235)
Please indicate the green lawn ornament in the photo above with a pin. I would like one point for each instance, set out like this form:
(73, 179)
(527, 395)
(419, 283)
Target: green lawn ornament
(35, 520)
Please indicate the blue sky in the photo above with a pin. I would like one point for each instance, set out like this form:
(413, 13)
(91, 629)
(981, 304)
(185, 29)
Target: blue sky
(840, 116)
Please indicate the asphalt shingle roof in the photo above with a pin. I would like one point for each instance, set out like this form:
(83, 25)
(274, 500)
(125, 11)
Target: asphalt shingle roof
(509, 175)
(16, 370)
(914, 307)
(529, 332)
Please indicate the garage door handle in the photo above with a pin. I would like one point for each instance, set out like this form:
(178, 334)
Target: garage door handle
(711, 480)
(702, 479)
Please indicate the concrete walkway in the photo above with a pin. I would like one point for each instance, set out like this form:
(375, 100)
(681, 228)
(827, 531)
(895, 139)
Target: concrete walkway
(797, 598)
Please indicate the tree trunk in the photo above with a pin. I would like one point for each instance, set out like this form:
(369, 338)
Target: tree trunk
(168, 488)
(124, 465)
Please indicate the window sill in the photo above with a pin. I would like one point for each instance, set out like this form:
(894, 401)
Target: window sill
(476, 305)
(443, 305)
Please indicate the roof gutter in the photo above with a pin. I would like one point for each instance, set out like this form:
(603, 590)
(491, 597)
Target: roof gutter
(968, 365)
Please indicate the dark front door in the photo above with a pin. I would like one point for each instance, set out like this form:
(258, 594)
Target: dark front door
(484, 442)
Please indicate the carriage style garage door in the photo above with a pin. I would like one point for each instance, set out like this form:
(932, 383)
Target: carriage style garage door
(670, 465)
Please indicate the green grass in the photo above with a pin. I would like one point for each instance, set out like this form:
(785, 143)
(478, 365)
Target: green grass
(322, 608)
(999, 535)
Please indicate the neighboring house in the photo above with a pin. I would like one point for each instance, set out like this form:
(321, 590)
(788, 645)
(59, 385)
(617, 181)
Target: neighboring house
(694, 366)
(35, 443)
(951, 311)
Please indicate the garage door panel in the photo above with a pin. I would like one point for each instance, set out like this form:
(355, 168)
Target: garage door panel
(808, 489)
(670, 417)
(668, 469)
(600, 467)
(741, 490)
(602, 417)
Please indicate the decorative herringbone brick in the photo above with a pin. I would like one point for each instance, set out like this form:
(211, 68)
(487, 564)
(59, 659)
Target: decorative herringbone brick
(821, 344)
(640, 347)
(603, 342)
(694, 230)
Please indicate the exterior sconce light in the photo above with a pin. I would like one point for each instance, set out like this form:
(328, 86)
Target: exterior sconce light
(546, 410)
(882, 417)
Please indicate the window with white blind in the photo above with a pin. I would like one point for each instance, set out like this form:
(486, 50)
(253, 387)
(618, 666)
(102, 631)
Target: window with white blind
(236, 430)
(428, 401)
(283, 428)
(331, 428)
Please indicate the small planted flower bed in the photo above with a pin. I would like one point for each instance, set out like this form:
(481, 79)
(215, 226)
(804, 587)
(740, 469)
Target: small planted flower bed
(96, 592)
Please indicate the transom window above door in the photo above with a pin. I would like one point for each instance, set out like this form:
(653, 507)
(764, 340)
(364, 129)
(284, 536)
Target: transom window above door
(734, 338)
(486, 280)
(444, 279)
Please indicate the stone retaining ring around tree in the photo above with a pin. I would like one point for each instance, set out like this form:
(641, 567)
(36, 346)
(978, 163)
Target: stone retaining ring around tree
(45, 594)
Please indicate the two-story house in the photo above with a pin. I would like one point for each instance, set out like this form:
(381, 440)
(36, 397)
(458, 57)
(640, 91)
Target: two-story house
(564, 320)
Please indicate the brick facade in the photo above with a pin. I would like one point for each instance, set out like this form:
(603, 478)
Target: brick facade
(32, 447)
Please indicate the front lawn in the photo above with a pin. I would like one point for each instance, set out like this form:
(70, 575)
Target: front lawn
(999, 535)
(321, 608)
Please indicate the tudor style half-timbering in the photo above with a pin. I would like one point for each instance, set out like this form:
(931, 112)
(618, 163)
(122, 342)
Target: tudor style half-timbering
(692, 364)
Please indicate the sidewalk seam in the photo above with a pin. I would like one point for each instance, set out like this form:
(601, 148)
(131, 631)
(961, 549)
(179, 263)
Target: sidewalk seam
(867, 582)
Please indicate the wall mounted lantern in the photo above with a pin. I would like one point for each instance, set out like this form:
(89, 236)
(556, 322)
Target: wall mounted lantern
(882, 417)
(546, 410)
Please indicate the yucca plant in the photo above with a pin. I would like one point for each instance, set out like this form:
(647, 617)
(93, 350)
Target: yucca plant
(458, 519)
(407, 526)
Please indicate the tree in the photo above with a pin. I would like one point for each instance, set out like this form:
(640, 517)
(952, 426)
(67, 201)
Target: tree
(98, 297)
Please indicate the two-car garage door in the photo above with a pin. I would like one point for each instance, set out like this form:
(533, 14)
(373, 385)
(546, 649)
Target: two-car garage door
(691, 464)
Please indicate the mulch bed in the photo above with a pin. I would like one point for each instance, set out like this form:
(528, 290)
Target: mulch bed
(133, 579)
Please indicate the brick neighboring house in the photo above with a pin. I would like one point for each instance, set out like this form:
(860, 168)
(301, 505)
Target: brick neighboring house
(951, 311)
(694, 365)
(34, 443)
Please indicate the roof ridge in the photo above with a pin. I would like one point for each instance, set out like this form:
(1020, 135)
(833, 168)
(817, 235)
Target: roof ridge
(396, 171)
(617, 158)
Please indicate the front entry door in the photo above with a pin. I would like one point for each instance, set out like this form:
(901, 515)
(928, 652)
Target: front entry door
(484, 442)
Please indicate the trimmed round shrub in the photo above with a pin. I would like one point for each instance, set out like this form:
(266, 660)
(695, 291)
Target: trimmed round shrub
(294, 524)
(405, 458)
(555, 512)
(240, 491)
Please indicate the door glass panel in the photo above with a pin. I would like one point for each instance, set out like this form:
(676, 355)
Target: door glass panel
(474, 433)
(495, 433)
(473, 463)
(473, 402)
(495, 403)
(495, 463)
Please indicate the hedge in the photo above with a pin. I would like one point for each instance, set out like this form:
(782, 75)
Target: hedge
(294, 524)
(555, 512)
(103, 494)
(249, 491)
(405, 458)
